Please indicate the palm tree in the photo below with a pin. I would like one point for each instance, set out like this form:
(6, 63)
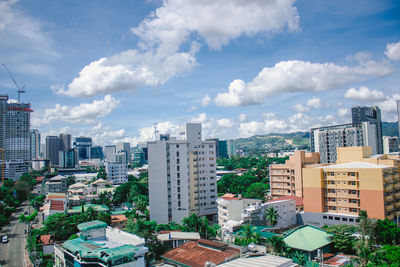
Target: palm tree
(277, 244)
(272, 216)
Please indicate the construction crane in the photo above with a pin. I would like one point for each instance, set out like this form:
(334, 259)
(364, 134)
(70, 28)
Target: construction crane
(20, 90)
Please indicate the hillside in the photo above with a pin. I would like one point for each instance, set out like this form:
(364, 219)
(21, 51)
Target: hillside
(276, 142)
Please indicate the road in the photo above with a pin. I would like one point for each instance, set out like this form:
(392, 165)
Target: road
(12, 253)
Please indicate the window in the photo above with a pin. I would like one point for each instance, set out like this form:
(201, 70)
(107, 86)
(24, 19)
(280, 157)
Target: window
(177, 146)
(324, 217)
(344, 219)
(337, 218)
(177, 153)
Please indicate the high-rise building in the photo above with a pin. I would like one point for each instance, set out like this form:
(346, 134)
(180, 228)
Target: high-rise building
(335, 194)
(15, 137)
(182, 177)
(390, 144)
(398, 117)
(327, 139)
(124, 147)
(231, 147)
(67, 141)
(110, 153)
(68, 158)
(35, 144)
(83, 144)
(54, 145)
(96, 152)
(117, 173)
(287, 179)
(223, 149)
(373, 116)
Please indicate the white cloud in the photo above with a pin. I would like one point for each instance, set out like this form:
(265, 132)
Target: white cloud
(242, 117)
(314, 102)
(206, 100)
(192, 108)
(389, 107)
(163, 33)
(298, 76)
(343, 112)
(300, 108)
(393, 51)
(24, 42)
(227, 123)
(364, 94)
(84, 113)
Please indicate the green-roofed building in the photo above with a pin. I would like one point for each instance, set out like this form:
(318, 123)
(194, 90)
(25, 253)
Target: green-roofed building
(96, 207)
(99, 245)
(308, 239)
(263, 231)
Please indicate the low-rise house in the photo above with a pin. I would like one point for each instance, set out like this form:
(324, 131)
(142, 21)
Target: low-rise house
(201, 253)
(174, 239)
(118, 221)
(99, 245)
(308, 240)
(263, 231)
(53, 206)
(47, 242)
(57, 184)
(79, 192)
(96, 207)
(261, 261)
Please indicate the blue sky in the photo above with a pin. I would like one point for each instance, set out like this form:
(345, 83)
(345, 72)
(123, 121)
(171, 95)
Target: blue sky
(114, 70)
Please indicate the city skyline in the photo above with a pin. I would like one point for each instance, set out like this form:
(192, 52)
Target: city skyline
(114, 70)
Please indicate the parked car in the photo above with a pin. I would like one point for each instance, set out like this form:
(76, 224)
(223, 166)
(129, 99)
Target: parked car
(4, 239)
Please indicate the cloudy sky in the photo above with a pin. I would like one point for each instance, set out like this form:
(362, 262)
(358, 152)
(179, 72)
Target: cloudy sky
(116, 69)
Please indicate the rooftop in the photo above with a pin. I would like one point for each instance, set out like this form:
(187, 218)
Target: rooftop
(299, 200)
(195, 255)
(91, 225)
(261, 261)
(177, 235)
(261, 230)
(57, 205)
(96, 207)
(356, 165)
(307, 238)
(46, 239)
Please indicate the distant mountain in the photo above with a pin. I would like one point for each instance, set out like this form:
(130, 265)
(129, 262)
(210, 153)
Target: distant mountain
(276, 142)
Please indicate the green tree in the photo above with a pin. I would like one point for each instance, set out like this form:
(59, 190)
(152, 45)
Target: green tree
(272, 216)
(342, 238)
(257, 190)
(90, 214)
(277, 244)
(70, 180)
(249, 236)
(386, 232)
(101, 174)
(105, 217)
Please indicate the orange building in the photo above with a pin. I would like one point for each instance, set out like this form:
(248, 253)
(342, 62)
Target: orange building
(359, 181)
(286, 179)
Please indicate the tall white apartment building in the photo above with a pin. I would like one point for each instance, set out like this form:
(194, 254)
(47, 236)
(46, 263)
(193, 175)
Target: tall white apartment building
(182, 177)
(35, 144)
(117, 173)
(110, 153)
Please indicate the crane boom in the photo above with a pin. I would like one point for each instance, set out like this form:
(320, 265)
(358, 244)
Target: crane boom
(20, 90)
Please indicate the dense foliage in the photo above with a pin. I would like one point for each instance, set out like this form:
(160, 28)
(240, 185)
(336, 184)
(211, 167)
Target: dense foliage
(342, 238)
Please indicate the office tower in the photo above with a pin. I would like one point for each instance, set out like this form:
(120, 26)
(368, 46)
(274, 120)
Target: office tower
(124, 147)
(15, 137)
(121, 157)
(68, 158)
(54, 145)
(390, 144)
(110, 153)
(327, 139)
(335, 194)
(398, 117)
(35, 144)
(182, 177)
(83, 144)
(231, 147)
(373, 116)
(96, 152)
(223, 149)
(67, 141)
(287, 179)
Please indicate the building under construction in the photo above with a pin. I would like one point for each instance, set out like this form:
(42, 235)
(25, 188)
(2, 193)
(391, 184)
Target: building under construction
(14, 137)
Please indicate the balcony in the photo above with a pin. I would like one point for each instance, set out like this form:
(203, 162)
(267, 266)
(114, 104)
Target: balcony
(397, 195)
(397, 186)
(330, 194)
(389, 188)
(349, 205)
(332, 186)
(397, 204)
(389, 207)
(389, 198)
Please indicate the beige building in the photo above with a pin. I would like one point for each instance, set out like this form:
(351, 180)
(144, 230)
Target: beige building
(358, 181)
(286, 179)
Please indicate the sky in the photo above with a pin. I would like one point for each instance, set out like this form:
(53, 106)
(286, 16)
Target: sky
(120, 70)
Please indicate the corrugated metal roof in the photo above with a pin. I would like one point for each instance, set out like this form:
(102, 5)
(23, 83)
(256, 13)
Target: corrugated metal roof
(261, 261)
(307, 238)
(91, 225)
